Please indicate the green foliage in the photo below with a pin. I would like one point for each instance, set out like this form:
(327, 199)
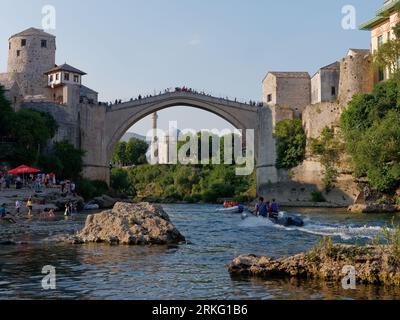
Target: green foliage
(90, 189)
(120, 182)
(387, 57)
(290, 143)
(28, 132)
(317, 196)
(371, 129)
(71, 158)
(190, 183)
(390, 238)
(329, 149)
(5, 114)
(50, 163)
(130, 153)
(323, 248)
(100, 186)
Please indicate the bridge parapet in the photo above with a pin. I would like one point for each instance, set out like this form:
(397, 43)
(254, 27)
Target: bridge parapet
(184, 95)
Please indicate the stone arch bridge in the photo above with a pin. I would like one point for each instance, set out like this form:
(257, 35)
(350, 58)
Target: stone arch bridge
(101, 127)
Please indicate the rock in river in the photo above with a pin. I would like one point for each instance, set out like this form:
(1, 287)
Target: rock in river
(373, 208)
(379, 265)
(130, 224)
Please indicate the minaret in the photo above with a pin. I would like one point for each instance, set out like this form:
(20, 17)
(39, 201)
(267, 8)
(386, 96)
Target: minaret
(155, 121)
(154, 143)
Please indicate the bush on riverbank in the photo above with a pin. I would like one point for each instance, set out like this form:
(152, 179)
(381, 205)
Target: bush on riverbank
(191, 184)
(291, 143)
(89, 189)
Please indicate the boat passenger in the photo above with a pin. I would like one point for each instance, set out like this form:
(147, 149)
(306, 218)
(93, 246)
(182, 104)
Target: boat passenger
(274, 207)
(240, 208)
(261, 208)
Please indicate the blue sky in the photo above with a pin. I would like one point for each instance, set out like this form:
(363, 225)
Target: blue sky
(224, 47)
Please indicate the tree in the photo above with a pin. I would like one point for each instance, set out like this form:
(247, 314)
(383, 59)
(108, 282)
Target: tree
(136, 150)
(290, 143)
(119, 155)
(30, 131)
(5, 114)
(370, 127)
(71, 158)
(120, 181)
(378, 150)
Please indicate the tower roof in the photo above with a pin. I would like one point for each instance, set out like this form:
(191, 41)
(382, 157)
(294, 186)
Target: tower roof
(66, 67)
(290, 74)
(32, 32)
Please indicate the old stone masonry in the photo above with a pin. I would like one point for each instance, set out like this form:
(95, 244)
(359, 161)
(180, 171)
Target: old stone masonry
(34, 80)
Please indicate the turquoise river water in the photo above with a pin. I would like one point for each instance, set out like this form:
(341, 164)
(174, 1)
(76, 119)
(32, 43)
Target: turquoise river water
(192, 271)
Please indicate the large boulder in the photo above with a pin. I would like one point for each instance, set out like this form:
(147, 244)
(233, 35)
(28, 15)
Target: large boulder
(373, 264)
(130, 224)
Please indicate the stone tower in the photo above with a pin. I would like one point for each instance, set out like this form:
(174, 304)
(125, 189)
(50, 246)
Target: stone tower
(31, 53)
(356, 75)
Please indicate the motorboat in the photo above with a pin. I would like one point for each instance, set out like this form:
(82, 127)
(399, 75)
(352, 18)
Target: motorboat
(232, 210)
(282, 218)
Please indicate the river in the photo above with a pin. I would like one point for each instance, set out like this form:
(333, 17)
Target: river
(196, 270)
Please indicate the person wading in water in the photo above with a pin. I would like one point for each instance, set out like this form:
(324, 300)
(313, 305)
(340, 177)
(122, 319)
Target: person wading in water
(29, 205)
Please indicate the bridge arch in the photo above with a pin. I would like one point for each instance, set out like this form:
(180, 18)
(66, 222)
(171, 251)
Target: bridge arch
(120, 118)
(101, 127)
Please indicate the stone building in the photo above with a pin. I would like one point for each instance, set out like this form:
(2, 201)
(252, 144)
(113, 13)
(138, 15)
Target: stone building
(325, 84)
(381, 28)
(30, 54)
(286, 94)
(34, 81)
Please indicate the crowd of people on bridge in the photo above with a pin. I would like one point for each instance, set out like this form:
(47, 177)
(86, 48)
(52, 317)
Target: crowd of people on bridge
(178, 89)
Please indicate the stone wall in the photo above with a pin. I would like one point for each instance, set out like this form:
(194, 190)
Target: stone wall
(92, 137)
(316, 117)
(288, 90)
(294, 93)
(356, 75)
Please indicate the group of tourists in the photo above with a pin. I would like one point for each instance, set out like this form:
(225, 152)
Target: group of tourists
(68, 187)
(45, 214)
(267, 209)
(177, 89)
(39, 181)
(35, 182)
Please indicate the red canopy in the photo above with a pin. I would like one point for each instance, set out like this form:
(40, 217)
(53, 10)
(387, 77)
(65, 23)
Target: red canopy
(23, 169)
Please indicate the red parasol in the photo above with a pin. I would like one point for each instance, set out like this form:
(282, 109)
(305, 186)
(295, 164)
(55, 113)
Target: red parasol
(23, 170)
